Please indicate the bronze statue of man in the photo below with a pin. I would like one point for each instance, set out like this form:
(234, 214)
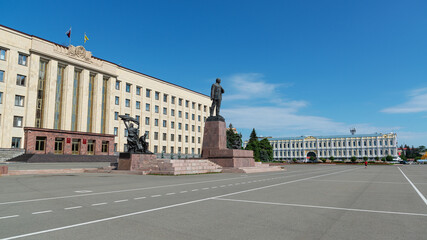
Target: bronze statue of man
(216, 97)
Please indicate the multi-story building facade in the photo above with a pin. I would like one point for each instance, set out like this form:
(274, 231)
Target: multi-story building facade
(341, 147)
(47, 85)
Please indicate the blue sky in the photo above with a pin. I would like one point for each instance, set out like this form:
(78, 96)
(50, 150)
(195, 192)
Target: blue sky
(289, 68)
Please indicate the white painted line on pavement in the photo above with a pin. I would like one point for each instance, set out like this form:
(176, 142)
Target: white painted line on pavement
(214, 187)
(9, 216)
(124, 200)
(137, 198)
(322, 207)
(156, 195)
(69, 208)
(416, 189)
(206, 188)
(47, 211)
(99, 204)
(165, 207)
(195, 190)
(83, 191)
(183, 191)
(171, 193)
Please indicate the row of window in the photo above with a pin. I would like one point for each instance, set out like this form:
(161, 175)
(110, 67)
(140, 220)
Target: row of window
(19, 100)
(22, 58)
(20, 79)
(172, 150)
(335, 144)
(336, 153)
(157, 96)
(75, 145)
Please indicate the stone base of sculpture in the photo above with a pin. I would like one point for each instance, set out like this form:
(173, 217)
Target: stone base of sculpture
(215, 147)
(134, 161)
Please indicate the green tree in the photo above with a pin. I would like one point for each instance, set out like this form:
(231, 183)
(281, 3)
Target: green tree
(265, 150)
(365, 159)
(389, 158)
(253, 145)
(294, 160)
(383, 159)
(377, 158)
(331, 158)
(232, 137)
(323, 159)
(353, 159)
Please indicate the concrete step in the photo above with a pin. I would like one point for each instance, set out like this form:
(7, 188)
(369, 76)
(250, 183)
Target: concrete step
(9, 153)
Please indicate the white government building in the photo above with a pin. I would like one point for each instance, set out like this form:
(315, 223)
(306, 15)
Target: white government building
(341, 147)
(47, 85)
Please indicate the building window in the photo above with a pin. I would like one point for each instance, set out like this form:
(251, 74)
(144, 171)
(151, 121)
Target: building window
(127, 103)
(147, 133)
(192, 139)
(173, 100)
(172, 124)
(180, 102)
(155, 149)
(104, 146)
(186, 127)
(156, 136)
(199, 118)
(147, 107)
(180, 114)
(19, 100)
(117, 85)
(156, 95)
(186, 103)
(20, 80)
(164, 123)
(116, 115)
(198, 128)
(199, 107)
(186, 115)
(156, 109)
(16, 142)
(1, 97)
(22, 59)
(165, 111)
(138, 90)
(172, 149)
(137, 118)
(128, 87)
(193, 105)
(117, 101)
(179, 126)
(2, 54)
(1, 75)
(192, 128)
(204, 108)
(147, 93)
(75, 147)
(164, 136)
(147, 121)
(156, 122)
(192, 117)
(138, 105)
(179, 138)
(116, 130)
(115, 147)
(172, 137)
(17, 121)
(165, 98)
(186, 139)
(198, 140)
(40, 143)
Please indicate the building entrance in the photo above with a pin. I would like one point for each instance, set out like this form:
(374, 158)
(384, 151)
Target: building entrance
(311, 155)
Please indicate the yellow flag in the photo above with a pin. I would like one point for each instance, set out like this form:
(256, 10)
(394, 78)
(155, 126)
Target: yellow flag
(86, 38)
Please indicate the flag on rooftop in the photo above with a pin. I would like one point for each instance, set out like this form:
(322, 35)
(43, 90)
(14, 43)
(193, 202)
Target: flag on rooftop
(68, 33)
(86, 38)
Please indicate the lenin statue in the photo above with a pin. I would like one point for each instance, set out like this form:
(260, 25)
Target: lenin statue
(216, 97)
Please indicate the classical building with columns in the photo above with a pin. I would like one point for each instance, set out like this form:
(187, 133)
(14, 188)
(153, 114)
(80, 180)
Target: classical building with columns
(49, 86)
(341, 147)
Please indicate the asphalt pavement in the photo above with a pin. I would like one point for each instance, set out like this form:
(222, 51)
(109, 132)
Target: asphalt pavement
(305, 202)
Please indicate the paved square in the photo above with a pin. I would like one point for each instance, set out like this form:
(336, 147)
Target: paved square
(305, 202)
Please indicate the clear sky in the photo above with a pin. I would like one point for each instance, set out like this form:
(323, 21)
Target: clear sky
(289, 68)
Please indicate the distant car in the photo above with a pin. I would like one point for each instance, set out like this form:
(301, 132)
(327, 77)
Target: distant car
(403, 162)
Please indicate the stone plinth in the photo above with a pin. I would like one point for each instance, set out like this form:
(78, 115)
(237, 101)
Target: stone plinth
(133, 162)
(215, 148)
(214, 137)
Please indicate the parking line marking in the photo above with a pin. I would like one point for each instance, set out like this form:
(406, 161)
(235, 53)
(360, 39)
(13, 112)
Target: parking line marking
(98, 204)
(214, 187)
(322, 207)
(137, 198)
(47, 211)
(83, 191)
(69, 208)
(416, 189)
(206, 188)
(168, 206)
(183, 191)
(156, 195)
(171, 193)
(124, 200)
(9, 216)
(195, 190)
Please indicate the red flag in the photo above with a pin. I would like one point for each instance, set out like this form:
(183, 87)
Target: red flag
(68, 33)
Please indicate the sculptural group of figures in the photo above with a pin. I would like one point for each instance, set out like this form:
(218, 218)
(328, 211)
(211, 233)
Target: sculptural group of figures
(138, 144)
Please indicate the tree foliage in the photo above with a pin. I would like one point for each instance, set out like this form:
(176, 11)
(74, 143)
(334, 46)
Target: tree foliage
(353, 159)
(253, 145)
(265, 150)
(234, 140)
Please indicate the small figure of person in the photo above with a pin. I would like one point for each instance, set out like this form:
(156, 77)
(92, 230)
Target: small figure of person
(216, 97)
(366, 163)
